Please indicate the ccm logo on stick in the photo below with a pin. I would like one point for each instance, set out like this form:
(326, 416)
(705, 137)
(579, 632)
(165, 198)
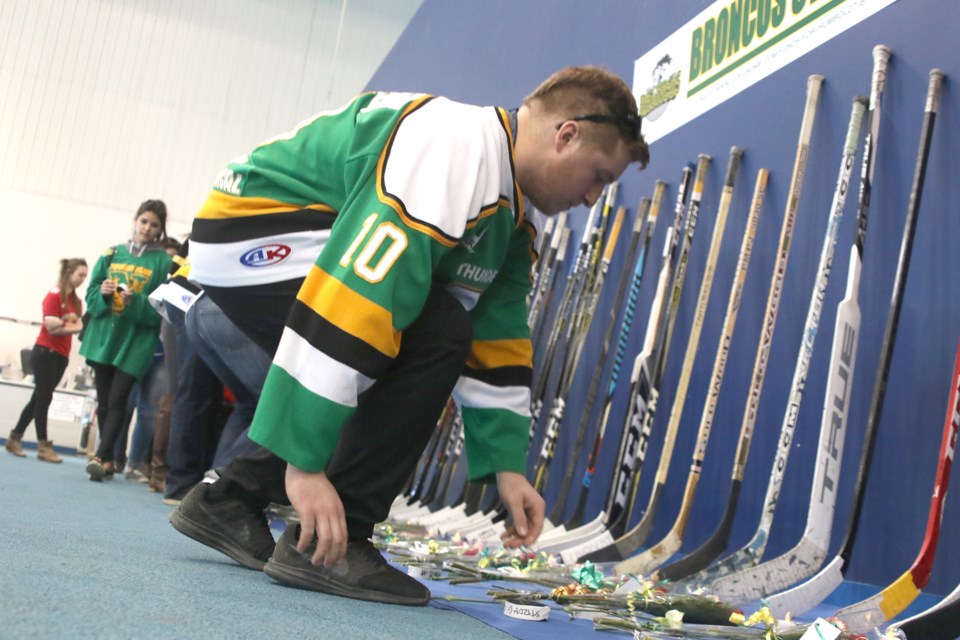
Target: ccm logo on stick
(268, 254)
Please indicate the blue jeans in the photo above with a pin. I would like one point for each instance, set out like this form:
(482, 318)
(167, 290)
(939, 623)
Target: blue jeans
(152, 385)
(196, 410)
(239, 363)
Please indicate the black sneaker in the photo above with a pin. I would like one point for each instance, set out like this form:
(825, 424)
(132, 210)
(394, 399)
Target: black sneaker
(363, 573)
(230, 527)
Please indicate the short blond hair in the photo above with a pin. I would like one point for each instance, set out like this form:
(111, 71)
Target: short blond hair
(590, 90)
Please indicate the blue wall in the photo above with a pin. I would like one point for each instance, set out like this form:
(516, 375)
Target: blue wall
(494, 52)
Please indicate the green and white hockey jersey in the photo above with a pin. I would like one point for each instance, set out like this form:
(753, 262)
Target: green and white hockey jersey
(371, 204)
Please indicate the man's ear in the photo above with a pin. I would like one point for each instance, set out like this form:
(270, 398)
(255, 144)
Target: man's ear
(568, 133)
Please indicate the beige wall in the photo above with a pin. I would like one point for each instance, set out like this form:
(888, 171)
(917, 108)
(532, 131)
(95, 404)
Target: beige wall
(105, 103)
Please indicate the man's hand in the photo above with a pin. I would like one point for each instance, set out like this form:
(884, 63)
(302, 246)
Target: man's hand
(526, 508)
(321, 515)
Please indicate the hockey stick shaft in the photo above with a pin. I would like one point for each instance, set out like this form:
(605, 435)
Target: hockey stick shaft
(32, 323)
(629, 438)
(632, 449)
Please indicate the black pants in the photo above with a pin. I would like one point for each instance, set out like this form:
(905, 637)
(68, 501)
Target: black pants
(113, 390)
(380, 445)
(48, 367)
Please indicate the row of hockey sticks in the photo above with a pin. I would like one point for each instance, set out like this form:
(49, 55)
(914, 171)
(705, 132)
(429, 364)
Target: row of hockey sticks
(841, 371)
(569, 302)
(644, 224)
(630, 436)
(834, 416)
(834, 411)
(635, 536)
(578, 325)
(803, 560)
(573, 320)
(893, 599)
(546, 543)
(624, 333)
(487, 523)
(592, 300)
(607, 546)
(628, 287)
(646, 374)
(431, 480)
(571, 325)
(555, 525)
(564, 333)
(576, 335)
(416, 487)
(660, 552)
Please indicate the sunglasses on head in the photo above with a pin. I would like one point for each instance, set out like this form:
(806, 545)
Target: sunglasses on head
(629, 124)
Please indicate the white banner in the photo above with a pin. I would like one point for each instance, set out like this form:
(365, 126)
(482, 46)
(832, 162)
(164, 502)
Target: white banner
(730, 46)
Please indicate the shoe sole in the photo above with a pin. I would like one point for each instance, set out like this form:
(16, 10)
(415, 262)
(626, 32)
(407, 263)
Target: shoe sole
(310, 580)
(95, 471)
(213, 539)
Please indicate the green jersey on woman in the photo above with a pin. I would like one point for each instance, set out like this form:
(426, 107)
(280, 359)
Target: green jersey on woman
(118, 334)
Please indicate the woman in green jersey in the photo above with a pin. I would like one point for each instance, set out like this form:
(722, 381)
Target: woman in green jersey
(123, 329)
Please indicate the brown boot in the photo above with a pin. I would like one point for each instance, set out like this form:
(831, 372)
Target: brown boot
(158, 472)
(13, 444)
(46, 453)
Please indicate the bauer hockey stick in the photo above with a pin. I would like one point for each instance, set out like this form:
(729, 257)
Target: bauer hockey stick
(631, 541)
(624, 333)
(632, 449)
(556, 516)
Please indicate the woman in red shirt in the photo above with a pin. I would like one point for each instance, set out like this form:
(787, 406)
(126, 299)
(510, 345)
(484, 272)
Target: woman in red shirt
(62, 309)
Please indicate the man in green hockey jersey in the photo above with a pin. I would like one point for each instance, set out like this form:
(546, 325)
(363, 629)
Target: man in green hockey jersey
(381, 253)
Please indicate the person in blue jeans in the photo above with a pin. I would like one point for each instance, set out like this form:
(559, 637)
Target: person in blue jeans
(145, 397)
(196, 410)
(239, 363)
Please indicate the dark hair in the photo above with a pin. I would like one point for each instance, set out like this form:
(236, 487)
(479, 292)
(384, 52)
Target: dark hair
(159, 209)
(172, 243)
(67, 267)
(594, 94)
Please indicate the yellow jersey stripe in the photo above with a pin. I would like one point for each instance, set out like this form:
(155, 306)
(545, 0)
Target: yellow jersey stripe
(491, 354)
(349, 311)
(221, 205)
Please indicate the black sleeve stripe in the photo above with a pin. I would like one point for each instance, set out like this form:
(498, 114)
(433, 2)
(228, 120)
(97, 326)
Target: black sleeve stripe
(242, 228)
(335, 342)
(502, 376)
